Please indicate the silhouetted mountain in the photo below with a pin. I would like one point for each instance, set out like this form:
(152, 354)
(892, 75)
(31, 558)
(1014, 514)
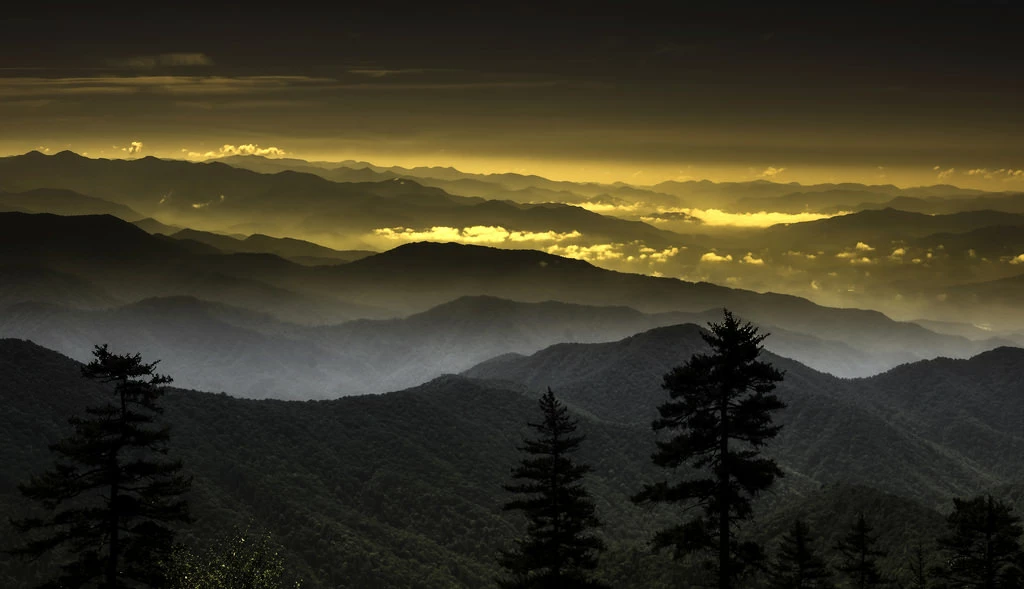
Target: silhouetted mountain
(879, 227)
(216, 196)
(131, 264)
(296, 250)
(151, 225)
(63, 202)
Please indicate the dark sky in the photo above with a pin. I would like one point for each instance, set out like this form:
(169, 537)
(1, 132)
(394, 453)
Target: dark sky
(873, 91)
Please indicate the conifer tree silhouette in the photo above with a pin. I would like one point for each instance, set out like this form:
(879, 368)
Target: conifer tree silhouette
(720, 413)
(559, 550)
(110, 493)
(982, 549)
(859, 557)
(798, 565)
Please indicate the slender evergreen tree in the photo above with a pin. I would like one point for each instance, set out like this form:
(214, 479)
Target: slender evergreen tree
(720, 413)
(559, 550)
(982, 549)
(111, 492)
(917, 567)
(797, 564)
(859, 556)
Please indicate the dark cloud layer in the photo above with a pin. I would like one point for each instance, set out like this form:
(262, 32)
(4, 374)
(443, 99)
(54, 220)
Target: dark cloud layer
(843, 84)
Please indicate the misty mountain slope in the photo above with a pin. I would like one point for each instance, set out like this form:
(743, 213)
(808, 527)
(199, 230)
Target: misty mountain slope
(125, 260)
(226, 348)
(63, 202)
(189, 338)
(831, 424)
(31, 283)
(427, 274)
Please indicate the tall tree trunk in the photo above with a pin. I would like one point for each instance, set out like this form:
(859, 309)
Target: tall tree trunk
(113, 530)
(723, 495)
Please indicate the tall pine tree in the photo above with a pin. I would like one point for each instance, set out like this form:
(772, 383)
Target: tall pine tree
(720, 413)
(797, 564)
(110, 492)
(859, 556)
(982, 549)
(559, 550)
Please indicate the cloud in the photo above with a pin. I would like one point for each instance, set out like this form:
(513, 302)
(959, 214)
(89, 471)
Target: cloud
(863, 247)
(473, 234)
(815, 285)
(228, 149)
(250, 149)
(772, 172)
(715, 258)
(943, 174)
(658, 256)
(143, 62)
(593, 253)
(750, 259)
(898, 253)
(862, 261)
(719, 218)
(133, 147)
(1018, 260)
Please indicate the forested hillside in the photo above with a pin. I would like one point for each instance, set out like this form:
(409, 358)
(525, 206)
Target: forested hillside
(404, 489)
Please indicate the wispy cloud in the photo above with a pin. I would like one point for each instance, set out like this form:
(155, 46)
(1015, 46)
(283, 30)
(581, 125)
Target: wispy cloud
(144, 62)
(943, 174)
(173, 85)
(771, 172)
(1018, 260)
(1002, 173)
(373, 72)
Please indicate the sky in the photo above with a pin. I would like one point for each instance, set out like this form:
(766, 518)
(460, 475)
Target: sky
(875, 92)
